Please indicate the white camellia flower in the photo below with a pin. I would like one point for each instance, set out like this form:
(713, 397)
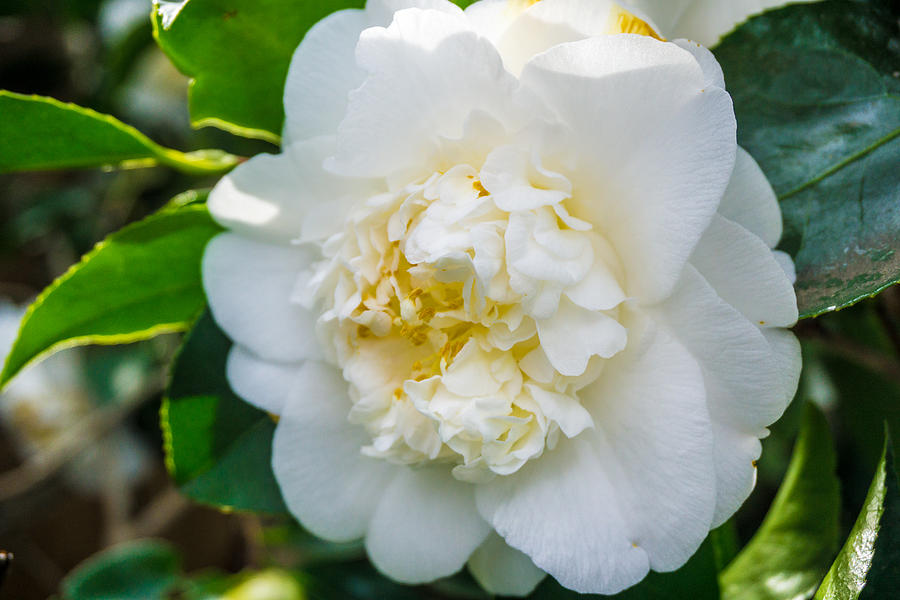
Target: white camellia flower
(510, 289)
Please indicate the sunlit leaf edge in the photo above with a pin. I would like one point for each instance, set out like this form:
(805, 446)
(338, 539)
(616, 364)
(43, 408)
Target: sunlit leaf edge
(199, 162)
(14, 364)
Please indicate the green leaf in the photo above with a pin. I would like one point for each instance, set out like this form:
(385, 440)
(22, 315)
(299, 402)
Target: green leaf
(868, 566)
(218, 447)
(145, 570)
(269, 584)
(791, 550)
(140, 282)
(816, 96)
(238, 53)
(39, 133)
(151, 570)
(696, 580)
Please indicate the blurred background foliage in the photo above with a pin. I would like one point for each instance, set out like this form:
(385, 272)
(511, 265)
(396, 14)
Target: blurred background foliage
(54, 515)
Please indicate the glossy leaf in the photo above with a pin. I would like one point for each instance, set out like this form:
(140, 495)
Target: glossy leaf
(139, 282)
(793, 547)
(39, 133)
(238, 53)
(146, 569)
(696, 580)
(815, 91)
(218, 447)
(868, 566)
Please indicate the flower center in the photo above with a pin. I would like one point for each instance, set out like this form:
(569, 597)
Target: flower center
(434, 297)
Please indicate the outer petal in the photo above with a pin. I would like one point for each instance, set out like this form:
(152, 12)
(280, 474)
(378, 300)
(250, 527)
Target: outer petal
(736, 454)
(707, 61)
(745, 273)
(258, 198)
(288, 196)
(750, 200)
(323, 71)
(503, 570)
(263, 383)
(427, 73)
(654, 428)
(641, 153)
(425, 527)
(748, 386)
(327, 483)
(248, 285)
(749, 379)
(600, 509)
(787, 264)
(564, 512)
(786, 350)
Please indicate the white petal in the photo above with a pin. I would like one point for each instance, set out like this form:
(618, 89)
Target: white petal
(787, 265)
(711, 69)
(744, 272)
(565, 410)
(288, 196)
(750, 376)
(330, 487)
(426, 526)
(263, 383)
(551, 22)
(600, 289)
(653, 428)
(564, 512)
(490, 18)
(427, 73)
(249, 285)
(786, 349)
(502, 570)
(471, 373)
(736, 454)
(573, 335)
(750, 201)
(323, 71)
(505, 174)
(259, 198)
(641, 153)
(749, 386)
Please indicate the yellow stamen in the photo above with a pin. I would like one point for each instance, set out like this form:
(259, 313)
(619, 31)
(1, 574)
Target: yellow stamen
(622, 21)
